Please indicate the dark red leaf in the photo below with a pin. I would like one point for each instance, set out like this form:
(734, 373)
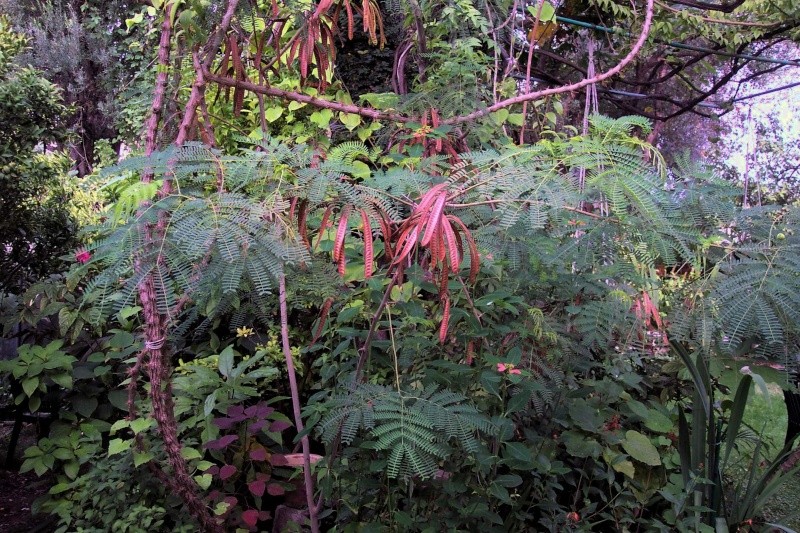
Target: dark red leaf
(256, 426)
(250, 517)
(257, 487)
(214, 470)
(264, 515)
(275, 490)
(258, 454)
(259, 411)
(279, 425)
(221, 442)
(224, 423)
(226, 471)
(235, 410)
(278, 459)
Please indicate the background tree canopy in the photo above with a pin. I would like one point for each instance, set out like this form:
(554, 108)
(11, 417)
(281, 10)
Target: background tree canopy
(36, 226)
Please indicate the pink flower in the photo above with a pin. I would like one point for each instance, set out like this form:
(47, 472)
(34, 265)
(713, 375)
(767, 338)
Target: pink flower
(82, 256)
(508, 368)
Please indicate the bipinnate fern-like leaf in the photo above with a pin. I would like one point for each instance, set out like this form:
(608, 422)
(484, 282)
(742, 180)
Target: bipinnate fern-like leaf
(209, 243)
(416, 428)
(749, 303)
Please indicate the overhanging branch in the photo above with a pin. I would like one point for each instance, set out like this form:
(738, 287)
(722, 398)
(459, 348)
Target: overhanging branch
(376, 114)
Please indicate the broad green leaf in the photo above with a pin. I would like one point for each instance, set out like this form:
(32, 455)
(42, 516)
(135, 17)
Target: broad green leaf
(499, 492)
(381, 100)
(360, 170)
(210, 403)
(519, 401)
(547, 14)
(85, 406)
(625, 467)
(321, 118)
(351, 121)
(640, 448)
(204, 481)
(658, 421)
(141, 458)
(226, 362)
(141, 424)
(71, 469)
(190, 453)
(119, 424)
(509, 480)
(585, 415)
(118, 446)
(501, 116)
(30, 385)
(63, 454)
(202, 466)
(127, 312)
(363, 134)
(119, 399)
(34, 403)
(273, 113)
(517, 452)
(122, 339)
(59, 488)
(579, 445)
(64, 380)
(516, 119)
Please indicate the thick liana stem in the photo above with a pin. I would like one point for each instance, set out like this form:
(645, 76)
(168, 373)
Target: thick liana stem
(298, 418)
(155, 352)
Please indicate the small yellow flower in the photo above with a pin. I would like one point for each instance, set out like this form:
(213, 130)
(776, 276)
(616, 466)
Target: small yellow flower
(244, 332)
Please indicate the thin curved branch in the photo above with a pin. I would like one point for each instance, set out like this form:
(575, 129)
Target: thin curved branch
(404, 119)
(566, 88)
(722, 21)
(296, 408)
(722, 8)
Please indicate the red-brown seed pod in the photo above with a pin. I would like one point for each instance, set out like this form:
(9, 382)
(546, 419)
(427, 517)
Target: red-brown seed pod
(445, 321)
(474, 257)
(470, 352)
(435, 123)
(323, 318)
(368, 248)
(408, 239)
(342, 263)
(452, 245)
(350, 19)
(323, 225)
(433, 220)
(386, 230)
(302, 222)
(341, 232)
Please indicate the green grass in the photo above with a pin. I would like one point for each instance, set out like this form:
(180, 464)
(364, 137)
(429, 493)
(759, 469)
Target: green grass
(766, 414)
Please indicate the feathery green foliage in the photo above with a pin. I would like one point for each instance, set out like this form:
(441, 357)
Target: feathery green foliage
(415, 428)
